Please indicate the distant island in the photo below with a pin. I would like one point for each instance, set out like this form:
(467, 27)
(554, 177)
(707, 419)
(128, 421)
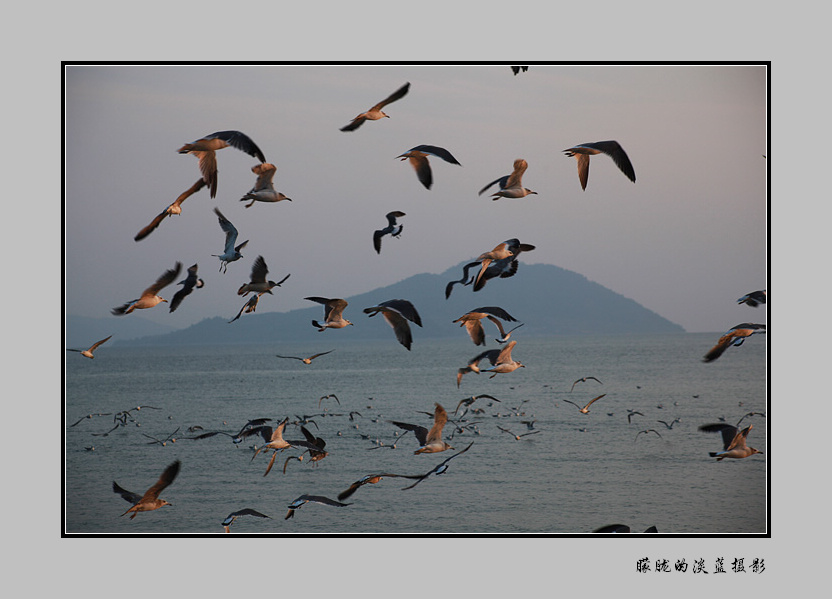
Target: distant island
(550, 301)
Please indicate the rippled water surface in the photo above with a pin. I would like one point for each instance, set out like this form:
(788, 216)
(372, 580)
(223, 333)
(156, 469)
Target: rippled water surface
(579, 472)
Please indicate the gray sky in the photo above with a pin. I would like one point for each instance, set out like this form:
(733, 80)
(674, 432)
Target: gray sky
(686, 240)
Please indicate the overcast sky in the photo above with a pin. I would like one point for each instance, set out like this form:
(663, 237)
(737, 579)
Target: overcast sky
(685, 240)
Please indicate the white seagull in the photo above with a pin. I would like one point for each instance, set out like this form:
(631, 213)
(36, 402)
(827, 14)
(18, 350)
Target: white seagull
(430, 441)
(393, 228)
(418, 158)
(258, 283)
(472, 321)
(263, 190)
(511, 186)
(333, 313)
(231, 252)
(205, 149)
(611, 148)
(375, 113)
(149, 296)
(397, 312)
(87, 353)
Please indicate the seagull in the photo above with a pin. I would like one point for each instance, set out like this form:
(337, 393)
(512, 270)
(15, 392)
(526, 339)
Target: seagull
(375, 113)
(174, 208)
(188, 285)
(258, 283)
(163, 442)
(248, 428)
(464, 280)
(274, 440)
(89, 416)
(263, 190)
(329, 396)
(630, 415)
(418, 158)
(231, 252)
(472, 321)
(304, 499)
(397, 312)
(500, 359)
(87, 353)
(149, 296)
(440, 468)
(318, 453)
(370, 479)
(753, 299)
(391, 229)
(585, 409)
(583, 379)
(470, 400)
(150, 500)
(511, 185)
(248, 307)
(430, 441)
(309, 359)
(733, 441)
(333, 313)
(229, 519)
(613, 149)
(516, 437)
(517, 69)
(649, 430)
(734, 336)
(206, 147)
(504, 255)
(670, 425)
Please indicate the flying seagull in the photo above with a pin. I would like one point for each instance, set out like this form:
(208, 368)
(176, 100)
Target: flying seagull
(734, 336)
(585, 409)
(309, 359)
(613, 149)
(258, 283)
(584, 379)
(472, 321)
(418, 158)
(430, 441)
(649, 430)
(304, 499)
(263, 190)
(753, 299)
(392, 229)
(503, 257)
(150, 500)
(397, 312)
(149, 296)
(174, 208)
(500, 359)
(516, 436)
(229, 520)
(470, 400)
(231, 252)
(87, 353)
(333, 313)
(375, 113)
(733, 441)
(189, 283)
(249, 307)
(370, 479)
(205, 149)
(511, 186)
(440, 468)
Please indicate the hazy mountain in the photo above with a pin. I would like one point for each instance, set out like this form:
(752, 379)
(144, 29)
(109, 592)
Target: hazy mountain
(548, 299)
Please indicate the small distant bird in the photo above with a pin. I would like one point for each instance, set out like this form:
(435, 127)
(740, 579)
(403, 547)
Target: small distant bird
(163, 442)
(206, 147)
(517, 69)
(430, 441)
(309, 359)
(585, 409)
(649, 430)
(87, 353)
(150, 500)
(440, 468)
(149, 296)
(511, 186)
(397, 312)
(392, 229)
(516, 436)
(584, 379)
(631, 413)
(89, 416)
(304, 499)
(333, 313)
(734, 336)
(329, 396)
(190, 283)
(375, 113)
(232, 252)
(263, 190)
(472, 321)
(470, 400)
(258, 283)
(753, 299)
(418, 158)
(174, 208)
(229, 520)
(613, 149)
(249, 307)
(670, 425)
(733, 441)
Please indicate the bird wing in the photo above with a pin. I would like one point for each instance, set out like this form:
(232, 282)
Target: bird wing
(727, 431)
(436, 151)
(133, 498)
(265, 176)
(440, 418)
(505, 354)
(377, 240)
(97, 343)
(496, 311)
(230, 230)
(614, 150)
(515, 178)
(503, 181)
(420, 431)
(259, 270)
(592, 401)
(163, 281)
(396, 95)
(166, 479)
(423, 172)
(239, 140)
